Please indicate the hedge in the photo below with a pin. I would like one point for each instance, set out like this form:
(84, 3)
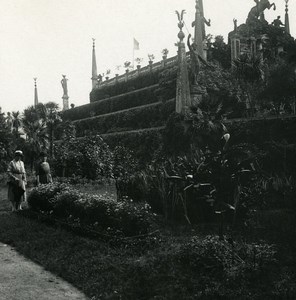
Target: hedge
(99, 212)
(148, 116)
(143, 143)
(124, 101)
(139, 82)
(260, 130)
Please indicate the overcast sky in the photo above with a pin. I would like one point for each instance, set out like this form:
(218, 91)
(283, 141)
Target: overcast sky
(48, 38)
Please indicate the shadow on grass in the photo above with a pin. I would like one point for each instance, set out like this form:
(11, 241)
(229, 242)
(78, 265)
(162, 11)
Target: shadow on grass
(4, 203)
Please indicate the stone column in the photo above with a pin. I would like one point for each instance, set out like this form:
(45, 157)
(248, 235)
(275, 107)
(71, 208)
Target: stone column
(35, 92)
(183, 99)
(65, 93)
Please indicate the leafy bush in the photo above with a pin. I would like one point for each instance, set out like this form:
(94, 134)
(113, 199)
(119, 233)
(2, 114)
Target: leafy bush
(88, 157)
(203, 268)
(41, 197)
(143, 143)
(100, 212)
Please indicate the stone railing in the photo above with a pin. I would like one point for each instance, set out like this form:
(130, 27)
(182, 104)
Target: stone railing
(152, 67)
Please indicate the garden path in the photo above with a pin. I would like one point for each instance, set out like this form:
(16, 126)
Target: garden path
(22, 279)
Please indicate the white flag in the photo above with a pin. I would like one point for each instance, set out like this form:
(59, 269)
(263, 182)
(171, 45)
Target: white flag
(136, 45)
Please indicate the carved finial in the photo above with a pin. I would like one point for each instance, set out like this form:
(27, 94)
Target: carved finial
(287, 1)
(93, 42)
(181, 34)
(35, 79)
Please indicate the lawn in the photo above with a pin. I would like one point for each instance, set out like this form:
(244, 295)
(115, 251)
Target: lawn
(172, 263)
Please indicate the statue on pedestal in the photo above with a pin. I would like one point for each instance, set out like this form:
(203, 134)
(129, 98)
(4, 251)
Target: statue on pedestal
(235, 25)
(64, 85)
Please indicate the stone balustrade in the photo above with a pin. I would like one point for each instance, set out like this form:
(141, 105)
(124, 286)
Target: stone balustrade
(152, 67)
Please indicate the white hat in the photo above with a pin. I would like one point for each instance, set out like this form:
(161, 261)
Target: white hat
(18, 152)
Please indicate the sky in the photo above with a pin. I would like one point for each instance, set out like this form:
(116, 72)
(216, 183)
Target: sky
(48, 38)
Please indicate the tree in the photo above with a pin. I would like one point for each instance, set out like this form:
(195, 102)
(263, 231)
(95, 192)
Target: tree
(249, 72)
(6, 144)
(221, 52)
(281, 86)
(36, 138)
(52, 119)
(17, 122)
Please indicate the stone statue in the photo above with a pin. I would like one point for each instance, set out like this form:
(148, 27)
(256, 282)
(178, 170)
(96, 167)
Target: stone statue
(235, 25)
(64, 85)
(195, 59)
(258, 10)
(277, 22)
(195, 62)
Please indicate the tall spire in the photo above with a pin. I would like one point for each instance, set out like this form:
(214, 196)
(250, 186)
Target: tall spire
(199, 29)
(287, 24)
(94, 77)
(35, 92)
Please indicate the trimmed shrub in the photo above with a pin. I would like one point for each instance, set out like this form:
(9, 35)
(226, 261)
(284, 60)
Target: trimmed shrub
(41, 197)
(137, 118)
(116, 103)
(139, 82)
(100, 212)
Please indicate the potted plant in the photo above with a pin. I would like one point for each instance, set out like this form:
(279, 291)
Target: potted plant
(151, 57)
(127, 66)
(138, 61)
(108, 72)
(165, 53)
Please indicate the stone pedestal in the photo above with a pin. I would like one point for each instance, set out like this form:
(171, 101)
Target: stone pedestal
(65, 102)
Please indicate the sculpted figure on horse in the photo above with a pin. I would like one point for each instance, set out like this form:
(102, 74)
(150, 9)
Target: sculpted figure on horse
(258, 10)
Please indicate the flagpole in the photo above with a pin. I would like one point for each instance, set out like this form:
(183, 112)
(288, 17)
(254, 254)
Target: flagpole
(133, 53)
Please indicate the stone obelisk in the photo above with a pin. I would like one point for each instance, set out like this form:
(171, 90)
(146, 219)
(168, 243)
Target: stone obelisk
(183, 99)
(35, 92)
(287, 23)
(94, 73)
(65, 93)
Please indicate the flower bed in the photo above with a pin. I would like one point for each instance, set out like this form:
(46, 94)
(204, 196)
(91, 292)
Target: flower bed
(98, 212)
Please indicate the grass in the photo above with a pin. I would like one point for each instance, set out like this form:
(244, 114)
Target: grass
(166, 265)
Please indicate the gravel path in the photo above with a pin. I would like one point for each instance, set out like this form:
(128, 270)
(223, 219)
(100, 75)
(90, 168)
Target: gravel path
(22, 279)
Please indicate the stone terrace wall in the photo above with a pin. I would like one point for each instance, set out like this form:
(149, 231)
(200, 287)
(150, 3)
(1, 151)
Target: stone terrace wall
(141, 100)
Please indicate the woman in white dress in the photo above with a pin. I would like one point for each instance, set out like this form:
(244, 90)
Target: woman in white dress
(16, 181)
